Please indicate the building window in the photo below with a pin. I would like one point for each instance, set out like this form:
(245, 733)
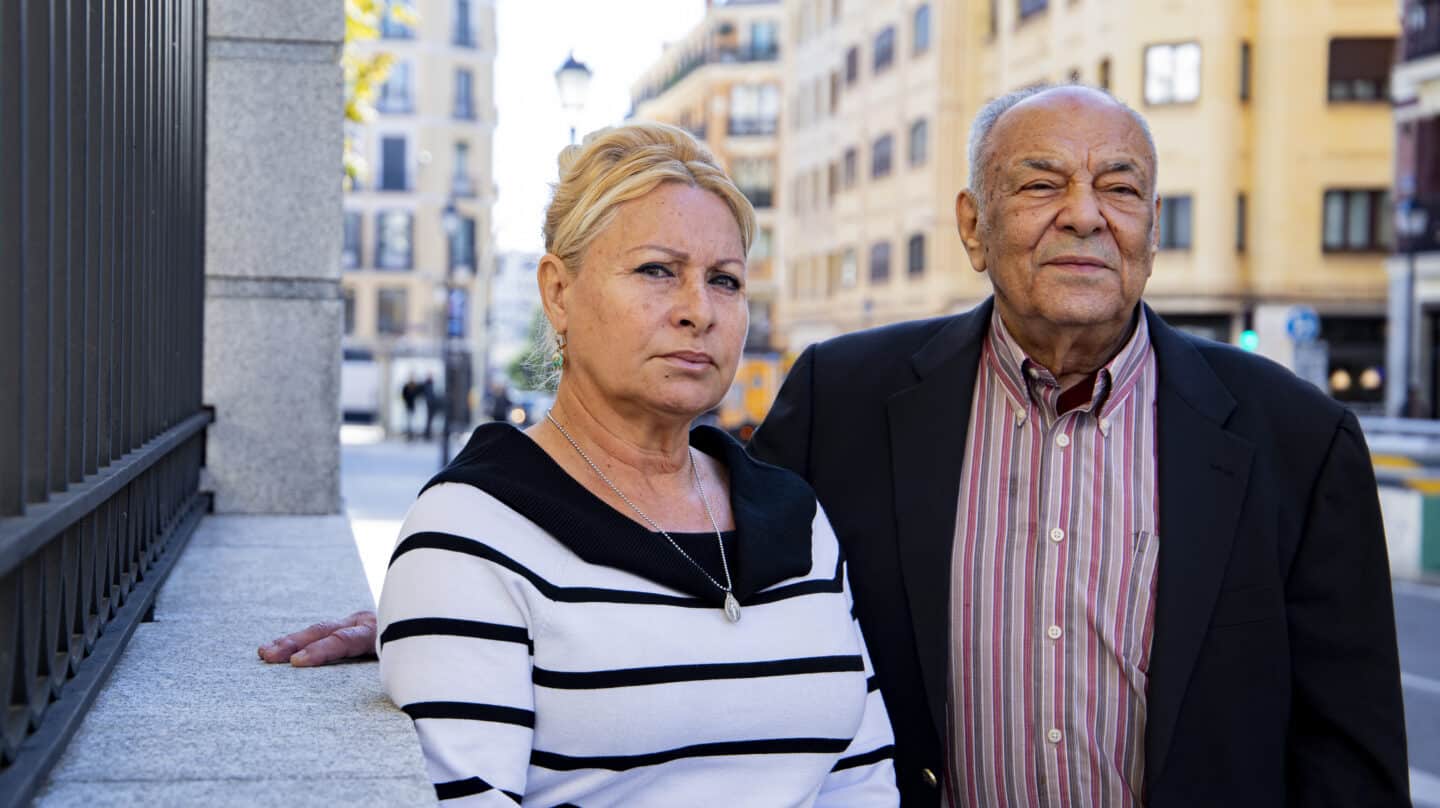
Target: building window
(393, 168)
(390, 312)
(1360, 69)
(460, 182)
(884, 48)
(915, 255)
(1028, 7)
(920, 36)
(350, 256)
(919, 143)
(1072, 76)
(395, 95)
(1175, 223)
(832, 182)
(852, 65)
(1242, 206)
(994, 18)
(393, 23)
(880, 262)
(1172, 73)
(849, 269)
(1104, 71)
(755, 177)
(834, 92)
(464, 94)
(880, 156)
(764, 42)
(349, 295)
(464, 34)
(852, 167)
(463, 254)
(754, 109)
(1244, 71)
(394, 231)
(1357, 220)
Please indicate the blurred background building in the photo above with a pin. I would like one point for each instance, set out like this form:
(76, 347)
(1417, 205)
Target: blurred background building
(417, 249)
(1415, 269)
(1283, 203)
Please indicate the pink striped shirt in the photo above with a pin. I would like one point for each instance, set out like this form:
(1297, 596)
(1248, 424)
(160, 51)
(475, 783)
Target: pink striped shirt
(1053, 583)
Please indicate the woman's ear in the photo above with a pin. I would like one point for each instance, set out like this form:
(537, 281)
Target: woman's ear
(554, 279)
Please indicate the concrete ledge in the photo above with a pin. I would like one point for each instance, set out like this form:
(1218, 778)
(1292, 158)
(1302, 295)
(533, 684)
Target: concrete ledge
(192, 717)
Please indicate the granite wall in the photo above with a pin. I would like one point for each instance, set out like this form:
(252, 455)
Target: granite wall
(273, 311)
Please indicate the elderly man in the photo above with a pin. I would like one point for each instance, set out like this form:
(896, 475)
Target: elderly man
(1098, 562)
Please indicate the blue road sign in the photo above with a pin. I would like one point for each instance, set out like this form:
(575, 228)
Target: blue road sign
(1302, 323)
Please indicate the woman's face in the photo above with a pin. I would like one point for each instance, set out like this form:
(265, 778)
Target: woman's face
(655, 319)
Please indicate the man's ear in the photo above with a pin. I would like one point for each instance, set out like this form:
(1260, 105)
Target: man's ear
(967, 221)
(554, 279)
(1155, 228)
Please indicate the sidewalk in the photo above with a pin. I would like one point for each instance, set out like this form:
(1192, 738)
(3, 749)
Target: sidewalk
(192, 717)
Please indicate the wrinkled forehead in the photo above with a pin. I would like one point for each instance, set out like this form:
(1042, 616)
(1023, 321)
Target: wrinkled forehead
(1072, 135)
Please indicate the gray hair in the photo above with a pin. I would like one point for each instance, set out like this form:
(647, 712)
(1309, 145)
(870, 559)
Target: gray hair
(989, 115)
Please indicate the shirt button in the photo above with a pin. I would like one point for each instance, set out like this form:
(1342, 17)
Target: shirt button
(1053, 736)
(1054, 632)
(1062, 440)
(1056, 534)
(929, 778)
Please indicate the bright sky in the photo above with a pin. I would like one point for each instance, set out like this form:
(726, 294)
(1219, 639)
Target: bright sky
(617, 39)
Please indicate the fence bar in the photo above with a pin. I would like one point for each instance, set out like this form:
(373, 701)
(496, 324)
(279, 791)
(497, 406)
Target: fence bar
(12, 276)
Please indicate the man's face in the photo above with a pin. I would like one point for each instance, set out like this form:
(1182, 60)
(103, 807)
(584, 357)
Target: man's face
(1068, 231)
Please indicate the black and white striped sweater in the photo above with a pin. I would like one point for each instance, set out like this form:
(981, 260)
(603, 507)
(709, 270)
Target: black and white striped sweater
(553, 652)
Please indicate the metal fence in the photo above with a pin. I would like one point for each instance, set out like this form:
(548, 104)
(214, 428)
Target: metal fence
(101, 302)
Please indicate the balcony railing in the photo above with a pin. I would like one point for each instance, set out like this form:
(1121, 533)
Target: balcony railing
(753, 126)
(1421, 36)
(766, 52)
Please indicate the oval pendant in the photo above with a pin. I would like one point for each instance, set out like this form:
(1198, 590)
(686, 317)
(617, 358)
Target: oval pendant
(732, 608)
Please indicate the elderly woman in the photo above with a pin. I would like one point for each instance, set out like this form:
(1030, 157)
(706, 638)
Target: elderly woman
(609, 608)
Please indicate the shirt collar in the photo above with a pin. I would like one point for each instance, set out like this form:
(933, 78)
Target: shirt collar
(1026, 383)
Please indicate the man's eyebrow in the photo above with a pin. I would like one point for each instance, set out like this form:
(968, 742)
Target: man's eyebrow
(1040, 164)
(1121, 166)
(681, 255)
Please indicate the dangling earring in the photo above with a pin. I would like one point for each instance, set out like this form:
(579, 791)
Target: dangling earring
(557, 362)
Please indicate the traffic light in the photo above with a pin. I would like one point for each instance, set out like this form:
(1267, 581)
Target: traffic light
(1249, 340)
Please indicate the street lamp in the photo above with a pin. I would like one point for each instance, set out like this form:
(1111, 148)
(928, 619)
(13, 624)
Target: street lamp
(572, 79)
(1411, 223)
(453, 353)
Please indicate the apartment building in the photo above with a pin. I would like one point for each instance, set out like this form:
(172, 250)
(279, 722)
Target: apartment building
(1271, 118)
(722, 82)
(1415, 269)
(417, 249)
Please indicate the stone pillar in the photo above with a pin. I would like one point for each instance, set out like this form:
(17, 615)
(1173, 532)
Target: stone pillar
(273, 311)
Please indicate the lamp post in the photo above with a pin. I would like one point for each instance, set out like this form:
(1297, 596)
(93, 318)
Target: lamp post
(1411, 223)
(452, 333)
(572, 79)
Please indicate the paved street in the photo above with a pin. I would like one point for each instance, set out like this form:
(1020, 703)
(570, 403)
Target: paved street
(379, 480)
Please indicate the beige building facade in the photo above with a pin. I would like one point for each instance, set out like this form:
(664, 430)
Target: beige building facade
(722, 82)
(1271, 118)
(415, 276)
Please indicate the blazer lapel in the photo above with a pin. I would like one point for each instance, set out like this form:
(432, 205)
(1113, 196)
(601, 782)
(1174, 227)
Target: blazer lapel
(928, 424)
(1203, 471)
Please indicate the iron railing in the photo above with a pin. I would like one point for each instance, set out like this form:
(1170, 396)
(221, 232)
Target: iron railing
(101, 301)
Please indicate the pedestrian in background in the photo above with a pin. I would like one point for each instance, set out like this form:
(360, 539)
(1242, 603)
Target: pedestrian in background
(409, 392)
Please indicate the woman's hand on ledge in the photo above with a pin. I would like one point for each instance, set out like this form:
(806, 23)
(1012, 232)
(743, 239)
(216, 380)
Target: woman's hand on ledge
(324, 643)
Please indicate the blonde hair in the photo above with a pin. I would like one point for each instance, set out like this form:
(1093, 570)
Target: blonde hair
(618, 164)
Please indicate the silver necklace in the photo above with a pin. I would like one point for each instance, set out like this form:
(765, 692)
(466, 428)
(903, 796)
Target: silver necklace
(732, 606)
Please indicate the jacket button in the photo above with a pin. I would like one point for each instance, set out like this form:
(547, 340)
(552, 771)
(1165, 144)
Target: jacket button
(929, 778)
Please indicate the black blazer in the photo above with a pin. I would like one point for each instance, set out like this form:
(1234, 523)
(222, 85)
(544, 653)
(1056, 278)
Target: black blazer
(1274, 677)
